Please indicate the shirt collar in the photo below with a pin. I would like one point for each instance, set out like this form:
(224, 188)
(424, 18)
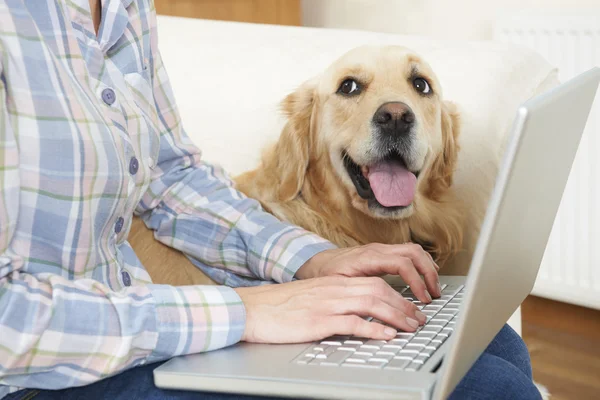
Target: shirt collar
(113, 23)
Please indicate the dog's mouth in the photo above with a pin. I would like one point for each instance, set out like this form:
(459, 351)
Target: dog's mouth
(388, 181)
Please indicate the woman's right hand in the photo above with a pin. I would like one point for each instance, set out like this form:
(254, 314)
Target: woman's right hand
(313, 309)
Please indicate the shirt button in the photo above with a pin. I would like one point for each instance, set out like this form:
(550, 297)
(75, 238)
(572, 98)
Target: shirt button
(119, 224)
(108, 96)
(134, 165)
(126, 278)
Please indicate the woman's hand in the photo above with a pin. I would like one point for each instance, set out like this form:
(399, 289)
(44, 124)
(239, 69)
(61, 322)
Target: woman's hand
(313, 309)
(406, 260)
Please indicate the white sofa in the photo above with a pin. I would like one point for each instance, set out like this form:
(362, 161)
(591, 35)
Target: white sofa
(228, 79)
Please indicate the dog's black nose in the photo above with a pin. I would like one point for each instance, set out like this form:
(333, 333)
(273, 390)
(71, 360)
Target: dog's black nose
(394, 118)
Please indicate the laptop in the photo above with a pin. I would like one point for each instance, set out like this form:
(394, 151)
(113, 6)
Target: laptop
(430, 362)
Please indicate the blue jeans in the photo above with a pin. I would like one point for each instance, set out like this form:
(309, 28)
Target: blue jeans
(502, 372)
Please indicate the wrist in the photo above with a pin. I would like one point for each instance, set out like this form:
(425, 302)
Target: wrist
(311, 268)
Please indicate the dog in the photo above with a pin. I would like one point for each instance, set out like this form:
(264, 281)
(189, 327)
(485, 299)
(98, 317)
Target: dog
(367, 155)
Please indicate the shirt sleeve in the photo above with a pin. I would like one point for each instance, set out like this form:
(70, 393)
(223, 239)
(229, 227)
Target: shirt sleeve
(57, 333)
(192, 206)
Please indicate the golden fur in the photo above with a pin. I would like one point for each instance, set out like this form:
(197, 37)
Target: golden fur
(301, 179)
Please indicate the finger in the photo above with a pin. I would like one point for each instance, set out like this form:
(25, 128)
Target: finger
(394, 264)
(424, 263)
(371, 306)
(381, 289)
(437, 267)
(344, 287)
(356, 326)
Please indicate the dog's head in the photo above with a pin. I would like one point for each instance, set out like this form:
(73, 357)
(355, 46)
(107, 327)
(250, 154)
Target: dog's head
(377, 117)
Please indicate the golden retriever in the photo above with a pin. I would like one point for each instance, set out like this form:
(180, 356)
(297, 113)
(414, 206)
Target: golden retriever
(367, 155)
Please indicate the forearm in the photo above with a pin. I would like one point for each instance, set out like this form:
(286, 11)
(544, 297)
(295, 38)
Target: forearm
(195, 209)
(52, 326)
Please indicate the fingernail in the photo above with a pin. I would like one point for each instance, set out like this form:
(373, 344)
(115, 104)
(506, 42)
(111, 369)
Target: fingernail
(412, 322)
(428, 295)
(420, 316)
(439, 288)
(390, 332)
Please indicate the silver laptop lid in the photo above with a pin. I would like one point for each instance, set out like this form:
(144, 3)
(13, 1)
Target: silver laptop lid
(519, 218)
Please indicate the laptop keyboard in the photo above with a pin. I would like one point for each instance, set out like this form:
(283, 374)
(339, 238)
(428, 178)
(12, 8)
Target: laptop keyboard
(408, 351)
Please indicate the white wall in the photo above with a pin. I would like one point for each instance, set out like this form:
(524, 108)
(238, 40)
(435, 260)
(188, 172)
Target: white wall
(450, 19)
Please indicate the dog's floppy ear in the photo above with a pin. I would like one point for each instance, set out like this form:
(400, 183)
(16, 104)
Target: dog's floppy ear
(442, 169)
(290, 156)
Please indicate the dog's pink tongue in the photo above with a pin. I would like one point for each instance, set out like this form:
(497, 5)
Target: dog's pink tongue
(392, 184)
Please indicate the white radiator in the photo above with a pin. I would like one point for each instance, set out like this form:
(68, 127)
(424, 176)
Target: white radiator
(570, 269)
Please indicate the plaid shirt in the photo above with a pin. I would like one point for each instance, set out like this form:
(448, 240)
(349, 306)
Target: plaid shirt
(90, 135)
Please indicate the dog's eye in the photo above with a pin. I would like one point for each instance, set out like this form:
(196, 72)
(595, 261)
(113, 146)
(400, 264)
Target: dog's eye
(349, 87)
(422, 86)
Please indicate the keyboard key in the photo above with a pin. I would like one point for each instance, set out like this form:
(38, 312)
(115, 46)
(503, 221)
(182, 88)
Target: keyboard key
(387, 355)
(452, 289)
(425, 335)
(438, 302)
(353, 341)
(447, 330)
(442, 316)
(391, 346)
(429, 313)
(421, 358)
(446, 297)
(405, 335)
(414, 346)
(413, 366)
(347, 348)
(369, 348)
(400, 288)
(427, 351)
(433, 307)
(305, 359)
(360, 365)
(377, 362)
(331, 343)
(398, 342)
(336, 358)
(421, 339)
(407, 353)
(361, 355)
(355, 360)
(397, 363)
(326, 352)
(383, 358)
(432, 328)
(441, 337)
(375, 343)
